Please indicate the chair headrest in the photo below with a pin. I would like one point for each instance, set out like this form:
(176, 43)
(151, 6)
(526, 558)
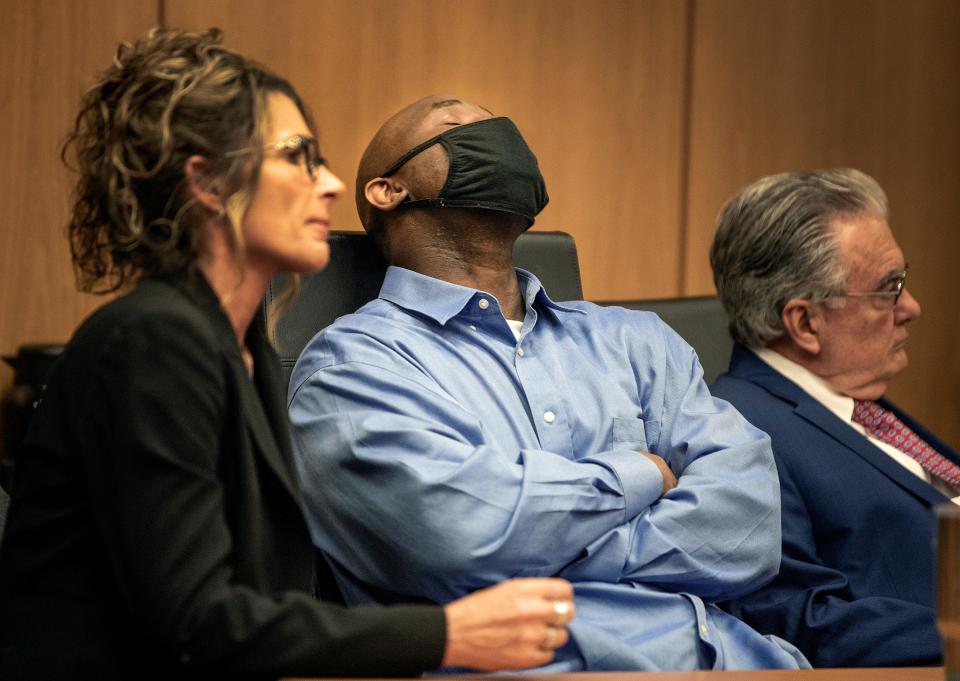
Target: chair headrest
(356, 270)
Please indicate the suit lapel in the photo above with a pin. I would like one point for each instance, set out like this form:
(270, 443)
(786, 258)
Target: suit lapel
(748, 366)
(258, 407)
(259, 403)
(819, 416)
(269, 421)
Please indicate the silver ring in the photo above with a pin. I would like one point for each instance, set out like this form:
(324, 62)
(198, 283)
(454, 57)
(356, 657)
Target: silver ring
(552, 635)
(562, 610)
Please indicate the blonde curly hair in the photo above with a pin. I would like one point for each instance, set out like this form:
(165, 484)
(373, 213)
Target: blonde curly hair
(166, 98)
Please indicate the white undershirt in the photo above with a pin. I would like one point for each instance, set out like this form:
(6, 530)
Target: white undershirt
(842, 407)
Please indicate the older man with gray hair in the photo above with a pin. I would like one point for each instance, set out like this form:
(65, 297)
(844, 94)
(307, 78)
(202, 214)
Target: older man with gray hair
(814, 286)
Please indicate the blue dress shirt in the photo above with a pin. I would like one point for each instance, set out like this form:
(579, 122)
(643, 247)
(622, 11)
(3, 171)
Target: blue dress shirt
(439, 455)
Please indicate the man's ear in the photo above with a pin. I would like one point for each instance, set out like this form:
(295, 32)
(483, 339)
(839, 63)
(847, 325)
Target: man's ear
(802, 323)
(385, 193)
(204, 188)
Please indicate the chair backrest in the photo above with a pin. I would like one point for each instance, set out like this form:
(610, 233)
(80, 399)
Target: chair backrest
(4, 504)
(356, 270)
(702, 322)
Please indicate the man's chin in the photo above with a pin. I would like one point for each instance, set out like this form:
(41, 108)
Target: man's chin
(871, 388)
(899, 361)
(873, 392)
(875, 389)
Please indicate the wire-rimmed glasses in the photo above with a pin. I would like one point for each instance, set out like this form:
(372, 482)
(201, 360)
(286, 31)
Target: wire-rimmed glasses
(299, 149)
(892, 288)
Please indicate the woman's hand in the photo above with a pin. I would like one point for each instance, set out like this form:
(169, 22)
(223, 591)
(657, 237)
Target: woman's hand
(513, 625)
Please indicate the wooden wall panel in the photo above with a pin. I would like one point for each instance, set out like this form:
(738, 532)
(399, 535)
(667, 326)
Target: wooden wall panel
(596, 87)
(50, 53)
(645, 114)
(873, 84)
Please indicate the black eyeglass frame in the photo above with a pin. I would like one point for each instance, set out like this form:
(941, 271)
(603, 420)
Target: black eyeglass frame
(900, 283)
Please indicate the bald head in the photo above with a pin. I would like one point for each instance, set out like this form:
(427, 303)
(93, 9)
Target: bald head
(404, 130)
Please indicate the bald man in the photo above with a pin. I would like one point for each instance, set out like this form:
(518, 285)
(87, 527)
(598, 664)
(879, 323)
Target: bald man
(464, 428)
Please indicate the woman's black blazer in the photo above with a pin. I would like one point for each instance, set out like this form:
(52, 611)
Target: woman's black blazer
(156, 527)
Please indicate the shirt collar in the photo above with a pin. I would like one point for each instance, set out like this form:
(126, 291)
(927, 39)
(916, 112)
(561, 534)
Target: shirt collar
(813, 385)
(533, 291)
(441, 301)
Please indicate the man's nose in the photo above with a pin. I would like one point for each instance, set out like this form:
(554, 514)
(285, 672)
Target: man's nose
(908, 307)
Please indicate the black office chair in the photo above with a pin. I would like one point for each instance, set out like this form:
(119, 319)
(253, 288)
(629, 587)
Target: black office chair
(702, 322)
(356, 270)
(4, 504)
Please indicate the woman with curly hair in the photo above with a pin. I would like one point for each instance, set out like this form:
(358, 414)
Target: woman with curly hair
(156, 527)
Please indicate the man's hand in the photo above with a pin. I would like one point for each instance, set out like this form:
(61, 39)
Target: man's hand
(669, 479)
(516, 624)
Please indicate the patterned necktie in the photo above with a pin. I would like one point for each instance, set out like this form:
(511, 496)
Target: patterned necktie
(884, 426)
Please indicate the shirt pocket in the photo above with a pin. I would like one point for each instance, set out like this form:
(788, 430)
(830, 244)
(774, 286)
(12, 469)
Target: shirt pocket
(632, 432)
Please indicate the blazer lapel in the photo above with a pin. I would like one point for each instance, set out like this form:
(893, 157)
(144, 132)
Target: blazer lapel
(259, 403)
(819, 416)
(259, 410)
(270, 422)
(748, 366)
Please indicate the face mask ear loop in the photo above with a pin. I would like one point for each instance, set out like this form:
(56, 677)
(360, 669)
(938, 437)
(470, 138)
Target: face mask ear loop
(410, 154)
(429, 143)
(451, 167)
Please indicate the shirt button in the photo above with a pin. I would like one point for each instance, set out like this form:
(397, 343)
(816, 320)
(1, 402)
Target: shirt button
(549, 416)
(703, 629)
(473, 328)
(483, 304)
(520, 351)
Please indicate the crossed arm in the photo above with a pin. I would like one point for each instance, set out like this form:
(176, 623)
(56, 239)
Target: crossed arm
(393, 463)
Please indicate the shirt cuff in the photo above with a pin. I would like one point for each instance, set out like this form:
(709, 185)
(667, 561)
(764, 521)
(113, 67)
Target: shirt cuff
(639, 477)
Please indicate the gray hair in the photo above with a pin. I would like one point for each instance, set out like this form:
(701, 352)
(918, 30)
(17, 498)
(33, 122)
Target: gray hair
(773, 242)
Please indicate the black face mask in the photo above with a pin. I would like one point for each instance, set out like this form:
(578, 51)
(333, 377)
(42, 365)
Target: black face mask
(491, 167)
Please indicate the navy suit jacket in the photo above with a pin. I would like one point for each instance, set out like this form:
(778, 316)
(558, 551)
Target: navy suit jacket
(856, 582)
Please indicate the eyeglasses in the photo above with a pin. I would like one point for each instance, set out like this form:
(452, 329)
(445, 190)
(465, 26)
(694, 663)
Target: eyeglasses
(299, 149)
(892, 289)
